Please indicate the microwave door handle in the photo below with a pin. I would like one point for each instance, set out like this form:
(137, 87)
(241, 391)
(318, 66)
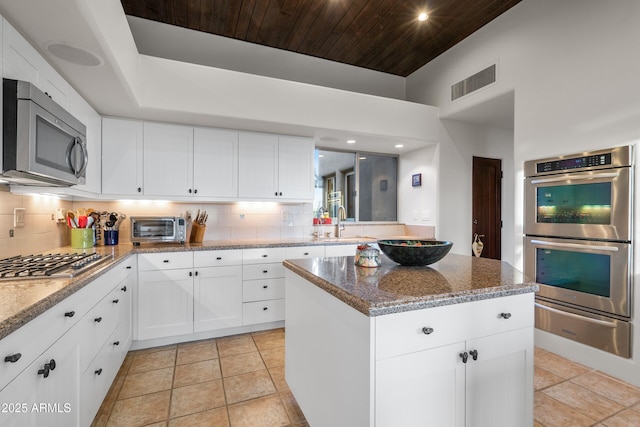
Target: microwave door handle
(85, 155)
(575, 246)
(573, 177)
(576, 316)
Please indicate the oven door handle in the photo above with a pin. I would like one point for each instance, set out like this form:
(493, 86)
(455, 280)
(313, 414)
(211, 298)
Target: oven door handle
(575, 246)
(576, 316)
(575, 177)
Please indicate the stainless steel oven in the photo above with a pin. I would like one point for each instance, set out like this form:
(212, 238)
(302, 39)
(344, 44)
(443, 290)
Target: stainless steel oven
(577, 245)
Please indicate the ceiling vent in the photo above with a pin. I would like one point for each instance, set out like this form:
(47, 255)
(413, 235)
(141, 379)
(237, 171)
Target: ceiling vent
(473, 83)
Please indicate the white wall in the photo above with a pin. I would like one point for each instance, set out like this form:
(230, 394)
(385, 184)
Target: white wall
(460, 142)
(574, 68)
(416, 203)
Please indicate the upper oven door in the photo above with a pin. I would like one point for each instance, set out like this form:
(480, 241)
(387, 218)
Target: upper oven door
(584, 205)
(590, 274)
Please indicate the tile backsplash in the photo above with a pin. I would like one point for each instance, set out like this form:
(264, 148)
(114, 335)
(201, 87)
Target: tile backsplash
(227, 221)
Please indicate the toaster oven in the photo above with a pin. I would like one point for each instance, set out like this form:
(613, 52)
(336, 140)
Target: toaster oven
(158, 229)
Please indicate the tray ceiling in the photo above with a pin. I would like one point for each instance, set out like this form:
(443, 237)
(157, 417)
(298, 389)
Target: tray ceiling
(381, 35)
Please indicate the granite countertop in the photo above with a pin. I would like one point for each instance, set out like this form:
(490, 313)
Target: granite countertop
(25, 299)
(393, 288)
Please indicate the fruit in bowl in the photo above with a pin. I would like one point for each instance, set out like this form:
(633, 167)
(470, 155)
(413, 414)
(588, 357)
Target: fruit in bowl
(415, 252)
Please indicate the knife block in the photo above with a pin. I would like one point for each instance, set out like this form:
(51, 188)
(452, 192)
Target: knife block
(197, 233)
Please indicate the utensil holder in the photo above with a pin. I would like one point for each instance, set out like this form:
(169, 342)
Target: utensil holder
(81, 238)
(197, 233)
(110, 237)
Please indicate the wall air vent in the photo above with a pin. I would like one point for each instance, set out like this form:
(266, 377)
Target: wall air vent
(473, 83)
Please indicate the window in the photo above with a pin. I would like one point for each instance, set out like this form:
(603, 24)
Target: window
(364, 183)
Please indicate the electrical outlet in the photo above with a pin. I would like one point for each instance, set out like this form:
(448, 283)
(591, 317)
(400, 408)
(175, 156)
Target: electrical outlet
(18, 217)
(285, 216)
(426, 215)
(241, 216)
(11, 232)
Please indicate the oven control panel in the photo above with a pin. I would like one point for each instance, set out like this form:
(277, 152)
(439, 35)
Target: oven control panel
(574, 163)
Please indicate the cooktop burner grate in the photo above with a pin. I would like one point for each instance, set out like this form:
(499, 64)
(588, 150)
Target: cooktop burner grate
(50, 265)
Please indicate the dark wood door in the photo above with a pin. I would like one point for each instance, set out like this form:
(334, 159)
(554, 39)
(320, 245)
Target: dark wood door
(487, 214)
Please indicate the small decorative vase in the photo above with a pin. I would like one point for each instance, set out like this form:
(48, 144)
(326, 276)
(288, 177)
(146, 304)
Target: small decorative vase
(367, 256)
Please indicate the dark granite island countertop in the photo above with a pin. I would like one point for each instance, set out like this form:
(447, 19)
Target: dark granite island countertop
(393, 288)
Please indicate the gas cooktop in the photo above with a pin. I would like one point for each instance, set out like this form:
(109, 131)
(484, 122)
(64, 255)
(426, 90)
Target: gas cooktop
(43, 266)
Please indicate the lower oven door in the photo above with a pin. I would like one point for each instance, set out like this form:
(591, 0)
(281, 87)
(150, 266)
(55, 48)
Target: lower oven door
(605, 333)
(591, 274)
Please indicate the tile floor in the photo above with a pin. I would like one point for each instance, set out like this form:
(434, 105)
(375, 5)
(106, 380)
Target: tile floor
(239, 381)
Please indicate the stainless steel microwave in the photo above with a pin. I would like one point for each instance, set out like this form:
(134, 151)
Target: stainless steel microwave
(42, 143)
(158, 229)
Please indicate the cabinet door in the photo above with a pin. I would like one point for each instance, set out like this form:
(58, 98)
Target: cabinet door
(217, 298)
(421, 389)
(258, 165)
(295, 167)
(215, 163)
(121, 157)
(164, 303)
(19, 59)
(500, 382)
(33, 400)
(87, 115)
(168, 160)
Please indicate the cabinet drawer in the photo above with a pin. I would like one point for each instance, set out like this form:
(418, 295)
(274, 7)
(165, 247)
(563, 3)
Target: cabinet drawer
(97, 378)
(262, 271)
(263, 255)
(297, 252)
(217, 258)
(340, 250)
(403, 333)
(34, 337)
(98, 324)
(262, 311)
(263, 289)
(165, 261)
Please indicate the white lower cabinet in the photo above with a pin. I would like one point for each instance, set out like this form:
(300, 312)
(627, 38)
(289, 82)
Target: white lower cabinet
(217, 300)
(263, 284)
(47, 392)
(80, 335)
(438, 386)
(165, 303)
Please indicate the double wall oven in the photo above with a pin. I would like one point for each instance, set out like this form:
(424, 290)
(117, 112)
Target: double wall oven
(577, 246)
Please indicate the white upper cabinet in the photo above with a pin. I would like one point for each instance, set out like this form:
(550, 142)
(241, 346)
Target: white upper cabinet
(295, 167)
(215, 163)
(275, 167)
(92, 120)
(168, 160)
(258, 166)
(121, 157)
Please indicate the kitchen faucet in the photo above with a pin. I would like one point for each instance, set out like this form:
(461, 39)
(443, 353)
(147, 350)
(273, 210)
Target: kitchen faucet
(342, 215)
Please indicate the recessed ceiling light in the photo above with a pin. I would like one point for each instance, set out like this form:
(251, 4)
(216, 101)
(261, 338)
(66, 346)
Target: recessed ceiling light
(320, 155)
(423, 16)
(351, 141)
(73, 54)
(362, 158)
(399, 145)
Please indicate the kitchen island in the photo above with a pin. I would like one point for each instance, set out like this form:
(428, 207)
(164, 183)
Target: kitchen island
(450, 344)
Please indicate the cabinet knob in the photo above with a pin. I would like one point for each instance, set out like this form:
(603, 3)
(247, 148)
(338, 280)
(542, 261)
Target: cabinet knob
(166, 261)
(427, 331)
(474, 354)
(13, 358)
(190, 191)
(128, 267)
(48, 367)
(98, 372)
(280, 193)
(219, 258)
(123, 289)
(190, 273)
(70, 314)
(464, 356)
(265, 286)
(98, 319)
(116, 343)
(265, 271)
(195, 191)
(115, 301)
(306, 253)
(264, 255)
(505, 315)
(265, 308)
(139, 190)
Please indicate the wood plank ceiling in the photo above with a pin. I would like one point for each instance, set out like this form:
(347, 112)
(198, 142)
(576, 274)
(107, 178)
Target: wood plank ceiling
(382, 35)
